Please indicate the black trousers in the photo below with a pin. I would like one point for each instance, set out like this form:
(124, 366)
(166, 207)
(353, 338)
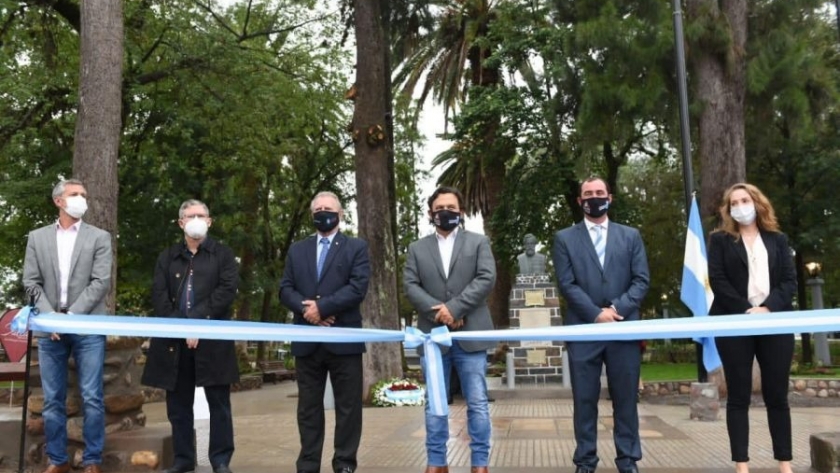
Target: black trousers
(345, 372)
(774, 354)
(179, 410)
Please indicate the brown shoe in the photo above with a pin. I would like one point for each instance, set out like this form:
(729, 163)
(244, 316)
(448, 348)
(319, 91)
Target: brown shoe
(479, 469)
(92, 469)
(437, 469)
(63, 468)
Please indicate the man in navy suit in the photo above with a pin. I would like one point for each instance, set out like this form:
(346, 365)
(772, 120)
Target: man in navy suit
(324, 283)
(602, 272)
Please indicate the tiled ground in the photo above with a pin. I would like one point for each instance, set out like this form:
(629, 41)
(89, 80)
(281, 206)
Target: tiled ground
(533, 435)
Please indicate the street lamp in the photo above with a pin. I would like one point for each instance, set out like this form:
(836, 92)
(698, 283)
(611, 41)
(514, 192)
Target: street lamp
(815, 282)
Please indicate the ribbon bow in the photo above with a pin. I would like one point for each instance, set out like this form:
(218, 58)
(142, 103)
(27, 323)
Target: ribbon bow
(20, 324)
(433, 365)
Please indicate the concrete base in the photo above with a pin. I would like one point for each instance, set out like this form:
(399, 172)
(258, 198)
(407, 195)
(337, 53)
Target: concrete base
(825, 452)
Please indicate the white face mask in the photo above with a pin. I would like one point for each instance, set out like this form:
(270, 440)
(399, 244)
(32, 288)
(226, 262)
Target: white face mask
(76, 206)
(196, 228)
(743, 214)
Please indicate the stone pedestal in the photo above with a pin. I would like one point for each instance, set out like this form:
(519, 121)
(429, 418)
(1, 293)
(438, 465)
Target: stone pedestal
(705, 401)
(825, 452)
(123, 411)
(534, 303)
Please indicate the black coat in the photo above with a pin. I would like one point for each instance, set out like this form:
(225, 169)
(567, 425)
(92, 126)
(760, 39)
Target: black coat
(729, 274)
(215, 278)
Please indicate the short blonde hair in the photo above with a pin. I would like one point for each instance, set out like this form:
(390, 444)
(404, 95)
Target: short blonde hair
(765, 216)
(325, 194)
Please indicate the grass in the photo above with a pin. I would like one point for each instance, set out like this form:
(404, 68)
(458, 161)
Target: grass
(668, 371)
(652, 372)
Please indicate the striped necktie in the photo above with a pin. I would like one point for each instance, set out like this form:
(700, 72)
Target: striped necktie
(600, 243)
(325, 248)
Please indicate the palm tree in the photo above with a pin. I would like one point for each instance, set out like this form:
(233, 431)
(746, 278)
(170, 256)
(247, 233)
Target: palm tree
(451, 60)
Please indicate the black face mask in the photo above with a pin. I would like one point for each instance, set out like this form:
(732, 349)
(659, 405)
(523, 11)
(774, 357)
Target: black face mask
(446, 220)
(595, 206)
(325, 220)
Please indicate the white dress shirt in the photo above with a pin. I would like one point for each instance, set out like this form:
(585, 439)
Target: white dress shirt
(446, 245)
(65, 240)
(758, 287)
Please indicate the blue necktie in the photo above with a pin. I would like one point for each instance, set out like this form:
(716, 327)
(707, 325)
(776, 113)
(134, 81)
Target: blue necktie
(600, 243)
(325, 248)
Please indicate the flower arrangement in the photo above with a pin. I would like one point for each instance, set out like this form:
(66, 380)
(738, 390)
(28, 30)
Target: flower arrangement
(398, 392)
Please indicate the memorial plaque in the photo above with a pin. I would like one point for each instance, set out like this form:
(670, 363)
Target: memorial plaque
(536, 357)
(534, 298)
(535, 318)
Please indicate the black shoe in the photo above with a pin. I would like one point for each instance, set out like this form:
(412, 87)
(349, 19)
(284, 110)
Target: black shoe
(632, 469)
(221, 469)
(179, 469)
(583, 469)
(345, 469)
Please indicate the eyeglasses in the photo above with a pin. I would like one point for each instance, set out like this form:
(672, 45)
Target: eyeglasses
(188, 217)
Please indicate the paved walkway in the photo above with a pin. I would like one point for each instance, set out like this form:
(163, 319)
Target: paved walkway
(533, 435)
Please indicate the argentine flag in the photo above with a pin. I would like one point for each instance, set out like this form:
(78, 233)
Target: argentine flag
(696, 292)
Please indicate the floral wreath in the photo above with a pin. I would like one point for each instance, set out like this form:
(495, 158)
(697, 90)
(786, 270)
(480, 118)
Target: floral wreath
(398, 392)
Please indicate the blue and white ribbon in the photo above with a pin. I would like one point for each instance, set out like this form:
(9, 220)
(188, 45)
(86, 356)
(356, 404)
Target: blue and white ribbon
(812, 321)
(164, 327)
(433, 364)
(21, 320)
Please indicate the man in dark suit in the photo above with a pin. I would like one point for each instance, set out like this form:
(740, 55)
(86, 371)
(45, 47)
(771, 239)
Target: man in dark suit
(448, 276)
(602, 272)
(69, 261)
(324, 283)
(195, 279)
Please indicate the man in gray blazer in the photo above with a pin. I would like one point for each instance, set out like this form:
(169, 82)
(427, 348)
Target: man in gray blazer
(602, 272)
(448, 276)
(69, 261)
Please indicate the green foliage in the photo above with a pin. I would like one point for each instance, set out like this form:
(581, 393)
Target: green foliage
(793, 133)
(240, 107)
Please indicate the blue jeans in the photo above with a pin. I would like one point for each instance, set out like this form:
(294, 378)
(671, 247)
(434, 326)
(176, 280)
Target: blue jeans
(89, 353)
(471, 368)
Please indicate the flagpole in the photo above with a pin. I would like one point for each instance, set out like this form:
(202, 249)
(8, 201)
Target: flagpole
(685, 135)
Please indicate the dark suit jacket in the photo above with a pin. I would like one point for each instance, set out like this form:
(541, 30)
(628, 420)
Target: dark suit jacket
(339, 293)
(729, 273)
(588, 288)
(472, 273)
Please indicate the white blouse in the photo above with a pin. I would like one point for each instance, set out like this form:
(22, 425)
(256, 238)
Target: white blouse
(758, 287)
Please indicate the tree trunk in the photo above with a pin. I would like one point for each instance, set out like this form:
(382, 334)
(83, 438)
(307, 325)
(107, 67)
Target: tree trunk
(99, 121)
(499, 299)
(382, 360)
(719, 63)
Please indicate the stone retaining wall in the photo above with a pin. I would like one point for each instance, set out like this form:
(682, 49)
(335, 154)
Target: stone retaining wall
(808, 387)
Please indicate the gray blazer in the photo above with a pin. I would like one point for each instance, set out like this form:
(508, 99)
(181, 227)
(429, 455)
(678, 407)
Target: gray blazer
(587, 288)
(90, 270)
(472, 273)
